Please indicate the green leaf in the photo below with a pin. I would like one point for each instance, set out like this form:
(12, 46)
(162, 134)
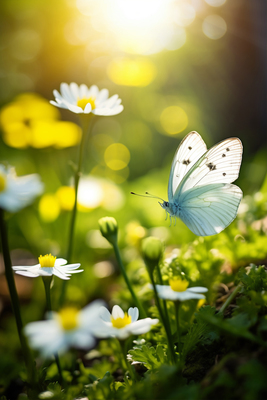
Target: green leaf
(150, 356)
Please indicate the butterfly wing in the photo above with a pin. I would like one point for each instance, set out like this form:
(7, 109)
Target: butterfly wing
(220, 164)
(187, 154)
(209, 209)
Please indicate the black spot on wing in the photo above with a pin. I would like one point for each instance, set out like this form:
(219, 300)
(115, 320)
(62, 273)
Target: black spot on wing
(211, 166)
(189, 148)
(186, 162)
(224, 155)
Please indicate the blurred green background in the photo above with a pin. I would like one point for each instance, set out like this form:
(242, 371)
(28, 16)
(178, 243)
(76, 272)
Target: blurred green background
(177, 66)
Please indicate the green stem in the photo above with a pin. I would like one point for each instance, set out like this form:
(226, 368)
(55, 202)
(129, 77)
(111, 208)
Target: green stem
(47, 280)
(85, 128)
(230, 298)
(58, 367)
(166, 327)
(124, 362)
(128, 283)
(164, 301)
(177, 309)
(15, 299)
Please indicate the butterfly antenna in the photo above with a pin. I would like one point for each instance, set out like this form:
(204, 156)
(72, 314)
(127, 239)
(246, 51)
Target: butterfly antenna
(147, 195)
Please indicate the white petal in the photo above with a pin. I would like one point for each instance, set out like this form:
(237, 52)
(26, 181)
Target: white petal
(34, 328)
(25, 267)
(58, 97)
(142, 326)
(27, 273)
(187, 295)
(93, 91)
(102, 96)
(89, 315)
(105, 314)
(88, 108)
(20, 191)
(60, 261)
(60, 274)
(117, 312)
(59, 345)
(75, 109)
(68, 267)
(111, 101)
(134, 313)
(83, 91)
(108, 111)
(82, 340)
(60, 105)
(198, 289)
(165, 292)
(66, 93)
(75, 90)
(72, 272)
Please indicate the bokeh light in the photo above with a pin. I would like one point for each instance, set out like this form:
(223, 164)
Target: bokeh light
(215, 3)
(214, 26)
(173, 120)
(98, 192)
(49, 207)
(117, 156)
(66, 196)
(184, 13)
(131, 72)
(25, 44)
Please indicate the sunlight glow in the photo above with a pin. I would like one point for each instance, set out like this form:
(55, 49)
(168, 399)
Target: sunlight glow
(140, 26)
(215, 3)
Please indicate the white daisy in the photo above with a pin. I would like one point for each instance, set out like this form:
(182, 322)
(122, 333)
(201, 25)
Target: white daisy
(121, 325)
(178, 290)
(17, 192)
(84, 100)
(49, 265)
(67, 328)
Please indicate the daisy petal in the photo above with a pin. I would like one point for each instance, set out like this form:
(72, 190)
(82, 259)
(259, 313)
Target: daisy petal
(198, 289)
(117, 312)
(74, 90)
(133, 313)
(60, 274)
(27, 273)
(83, 91)
(82, 340)
(102, 96)
(60, 261)
(93, 91)
(105, 314)
(66, 93)
(142, 326)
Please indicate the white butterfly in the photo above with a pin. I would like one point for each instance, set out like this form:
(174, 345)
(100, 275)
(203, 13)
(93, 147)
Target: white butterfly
(200, 191)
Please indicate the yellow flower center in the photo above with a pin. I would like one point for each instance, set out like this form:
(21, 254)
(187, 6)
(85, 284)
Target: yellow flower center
(47, 261)
(2, 183)
(121, 322)
(178, 285)
(82, 102)
(68, 318)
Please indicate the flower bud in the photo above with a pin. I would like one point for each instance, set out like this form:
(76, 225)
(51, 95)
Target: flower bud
(152, 249)
(109, 229)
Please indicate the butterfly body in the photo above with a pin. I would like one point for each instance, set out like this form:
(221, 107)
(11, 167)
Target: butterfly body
(200, 192)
